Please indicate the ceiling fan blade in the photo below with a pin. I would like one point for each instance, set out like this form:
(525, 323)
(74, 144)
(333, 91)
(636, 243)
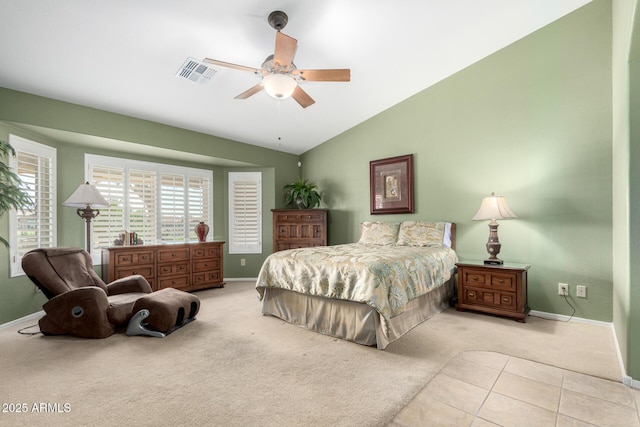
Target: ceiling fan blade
(302, 97)
(285, 51)
(252, 91)
(230, 65)
(337, 75)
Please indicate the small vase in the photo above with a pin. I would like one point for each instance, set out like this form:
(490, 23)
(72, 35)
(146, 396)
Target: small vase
(202, 230)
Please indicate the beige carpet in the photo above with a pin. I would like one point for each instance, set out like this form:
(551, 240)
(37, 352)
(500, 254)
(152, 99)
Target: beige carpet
(234, 366)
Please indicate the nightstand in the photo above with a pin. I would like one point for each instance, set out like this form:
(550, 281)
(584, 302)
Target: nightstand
(495, 289)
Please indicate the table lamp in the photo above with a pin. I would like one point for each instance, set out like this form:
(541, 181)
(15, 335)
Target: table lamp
(493, 208)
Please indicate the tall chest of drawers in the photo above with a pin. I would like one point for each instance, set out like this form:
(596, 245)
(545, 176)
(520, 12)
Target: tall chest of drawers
(495, 289)
(188, 266)
(299, 228)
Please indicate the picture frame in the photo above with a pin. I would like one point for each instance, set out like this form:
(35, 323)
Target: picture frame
(391, 182)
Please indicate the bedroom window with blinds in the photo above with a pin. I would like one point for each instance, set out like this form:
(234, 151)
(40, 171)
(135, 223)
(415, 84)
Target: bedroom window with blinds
(245, 212)
(162, 203)
(35, 227)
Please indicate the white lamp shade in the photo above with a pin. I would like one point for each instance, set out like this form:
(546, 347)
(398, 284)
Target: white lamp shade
(493, 207)
(86, 195)
(279, 86)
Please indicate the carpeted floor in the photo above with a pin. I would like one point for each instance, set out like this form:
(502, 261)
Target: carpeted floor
(234, 366)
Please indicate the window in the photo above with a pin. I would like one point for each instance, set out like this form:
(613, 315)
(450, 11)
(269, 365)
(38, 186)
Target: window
(33, 228)
(245, 213)
(161, 203)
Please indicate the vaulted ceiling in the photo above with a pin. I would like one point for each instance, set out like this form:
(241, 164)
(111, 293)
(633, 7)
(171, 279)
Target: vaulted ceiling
(123, 56)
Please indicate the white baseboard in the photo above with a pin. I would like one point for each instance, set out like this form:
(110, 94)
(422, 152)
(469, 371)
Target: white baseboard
(241, 279)
(34, 316)
(626, 380)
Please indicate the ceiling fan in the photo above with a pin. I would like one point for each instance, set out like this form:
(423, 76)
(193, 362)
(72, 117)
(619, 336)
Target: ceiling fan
(280, 76)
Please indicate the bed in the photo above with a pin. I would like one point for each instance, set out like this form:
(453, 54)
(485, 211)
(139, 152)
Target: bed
(371, 292)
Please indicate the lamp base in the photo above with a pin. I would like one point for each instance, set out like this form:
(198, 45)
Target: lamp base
(493, 262)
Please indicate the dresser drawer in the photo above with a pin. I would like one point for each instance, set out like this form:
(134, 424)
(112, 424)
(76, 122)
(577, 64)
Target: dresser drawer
(206, 265)
(317, 217)
(207, 277)
(145, 270)
(133, 258)
(174, 282)
(206, 252)
(175, 254)
(288, 217)
(169, 269)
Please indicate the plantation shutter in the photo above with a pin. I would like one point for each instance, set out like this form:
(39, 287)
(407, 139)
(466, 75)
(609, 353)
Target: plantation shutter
(198, 202)
(35, 227)
(142, 204)
(110, 182)
(245, 212)
(172, 199)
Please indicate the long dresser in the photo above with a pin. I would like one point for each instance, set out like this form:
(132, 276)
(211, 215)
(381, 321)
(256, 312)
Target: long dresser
(299, 228)
(185, 266)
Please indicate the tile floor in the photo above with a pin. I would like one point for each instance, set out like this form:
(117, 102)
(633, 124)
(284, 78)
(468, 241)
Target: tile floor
(479, 388)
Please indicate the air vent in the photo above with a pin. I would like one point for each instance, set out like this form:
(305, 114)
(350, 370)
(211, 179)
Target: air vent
(196, 72)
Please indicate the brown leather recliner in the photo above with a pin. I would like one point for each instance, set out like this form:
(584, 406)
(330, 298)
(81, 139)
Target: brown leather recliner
(80, 303)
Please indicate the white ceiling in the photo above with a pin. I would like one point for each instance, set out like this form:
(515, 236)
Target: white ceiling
(123, 56)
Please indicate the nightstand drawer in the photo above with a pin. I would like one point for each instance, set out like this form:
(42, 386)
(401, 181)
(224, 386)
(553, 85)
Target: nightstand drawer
(480, 296)
(491, 280)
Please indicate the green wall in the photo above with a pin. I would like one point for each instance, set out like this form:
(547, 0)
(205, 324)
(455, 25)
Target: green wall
(531, 122)
(20, 111)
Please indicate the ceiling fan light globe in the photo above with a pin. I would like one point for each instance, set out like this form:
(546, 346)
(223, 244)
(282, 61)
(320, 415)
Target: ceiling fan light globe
(279, 86)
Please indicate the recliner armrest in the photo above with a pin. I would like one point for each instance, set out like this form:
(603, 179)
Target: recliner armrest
(81, 312)
(135, 283)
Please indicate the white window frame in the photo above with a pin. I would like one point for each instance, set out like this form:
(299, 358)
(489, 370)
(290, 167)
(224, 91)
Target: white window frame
(93, 160)
(34, 148)
(236, 246)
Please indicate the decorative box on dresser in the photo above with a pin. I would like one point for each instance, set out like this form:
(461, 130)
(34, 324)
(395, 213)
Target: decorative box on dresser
(299, 228)
(184, 266)
(495, 289)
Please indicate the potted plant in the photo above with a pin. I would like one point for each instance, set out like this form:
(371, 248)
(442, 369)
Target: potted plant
(302, 194)
(12, 194)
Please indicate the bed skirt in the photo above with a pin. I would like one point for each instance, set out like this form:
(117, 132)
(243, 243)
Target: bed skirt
(353, 321)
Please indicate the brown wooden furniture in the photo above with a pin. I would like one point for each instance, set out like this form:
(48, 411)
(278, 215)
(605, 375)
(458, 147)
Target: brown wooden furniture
(495, 289)
(299, 228)
(185, 266)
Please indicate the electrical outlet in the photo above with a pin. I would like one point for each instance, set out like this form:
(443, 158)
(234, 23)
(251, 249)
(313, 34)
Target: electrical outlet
(563, 289)
(243, 262)
(581, 291)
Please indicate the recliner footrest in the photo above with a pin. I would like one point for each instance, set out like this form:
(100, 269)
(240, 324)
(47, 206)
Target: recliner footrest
(169, 309)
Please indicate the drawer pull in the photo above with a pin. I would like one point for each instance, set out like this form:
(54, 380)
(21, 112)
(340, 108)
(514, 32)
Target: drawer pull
(500, 281)
(505, 299)
(475, 278)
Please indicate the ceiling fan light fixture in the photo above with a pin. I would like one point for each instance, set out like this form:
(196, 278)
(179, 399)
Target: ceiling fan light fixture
(279, 86)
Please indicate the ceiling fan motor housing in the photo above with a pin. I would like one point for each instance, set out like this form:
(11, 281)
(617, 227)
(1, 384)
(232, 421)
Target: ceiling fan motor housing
(278, 20)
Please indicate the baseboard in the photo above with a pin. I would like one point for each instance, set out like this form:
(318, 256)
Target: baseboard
(563, 318)
(34, 316)
(626, 380)
(241, 279)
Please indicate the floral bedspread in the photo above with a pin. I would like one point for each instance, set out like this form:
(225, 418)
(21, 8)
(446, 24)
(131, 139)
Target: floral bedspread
(384, 277)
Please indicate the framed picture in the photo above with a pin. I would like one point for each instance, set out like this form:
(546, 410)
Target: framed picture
(391, 182)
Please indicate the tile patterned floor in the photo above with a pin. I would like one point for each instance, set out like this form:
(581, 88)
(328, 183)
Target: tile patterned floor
(479, 388)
